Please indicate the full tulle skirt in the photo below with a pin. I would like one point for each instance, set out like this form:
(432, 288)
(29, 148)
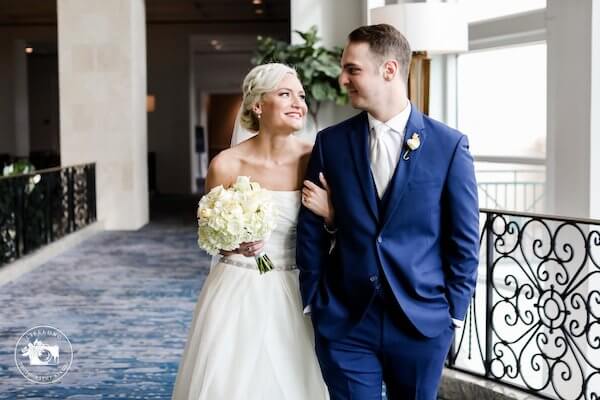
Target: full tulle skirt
(250, 340)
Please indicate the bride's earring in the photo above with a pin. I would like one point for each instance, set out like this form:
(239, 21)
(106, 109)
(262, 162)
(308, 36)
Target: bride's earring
(257, 109)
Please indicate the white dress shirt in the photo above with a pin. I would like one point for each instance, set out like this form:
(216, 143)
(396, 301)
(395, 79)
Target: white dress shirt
(384, 156)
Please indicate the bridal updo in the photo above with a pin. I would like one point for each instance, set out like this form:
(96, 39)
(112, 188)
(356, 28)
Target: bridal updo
(260, 80)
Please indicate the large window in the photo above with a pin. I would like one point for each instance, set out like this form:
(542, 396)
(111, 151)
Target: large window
(502, 101)
(501, 106)
(477, 10)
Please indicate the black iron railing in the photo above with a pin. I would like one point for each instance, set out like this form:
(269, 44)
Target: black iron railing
(534, 322)
(38, 208)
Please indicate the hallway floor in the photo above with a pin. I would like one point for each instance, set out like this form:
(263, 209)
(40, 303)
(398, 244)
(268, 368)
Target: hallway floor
(125, 301)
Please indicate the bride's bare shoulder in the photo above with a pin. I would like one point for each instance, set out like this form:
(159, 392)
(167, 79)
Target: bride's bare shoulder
(304, 152)
(304, 149)
(223, 169)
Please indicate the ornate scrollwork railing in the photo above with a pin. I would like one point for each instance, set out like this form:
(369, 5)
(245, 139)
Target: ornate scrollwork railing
(38, 208)
(534, 322)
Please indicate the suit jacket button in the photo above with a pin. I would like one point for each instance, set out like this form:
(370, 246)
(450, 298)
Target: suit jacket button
(373, 278)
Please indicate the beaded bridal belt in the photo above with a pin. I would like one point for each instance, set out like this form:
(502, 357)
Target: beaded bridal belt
(252, 265)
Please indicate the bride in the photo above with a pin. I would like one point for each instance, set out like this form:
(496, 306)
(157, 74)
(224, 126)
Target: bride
(249, 338)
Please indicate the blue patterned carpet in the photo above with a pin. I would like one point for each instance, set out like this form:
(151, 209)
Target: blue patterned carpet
(124, 299)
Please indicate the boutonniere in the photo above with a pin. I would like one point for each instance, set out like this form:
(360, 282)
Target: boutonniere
(412, 144)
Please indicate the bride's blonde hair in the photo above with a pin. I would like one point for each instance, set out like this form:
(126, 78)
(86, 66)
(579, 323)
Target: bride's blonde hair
(260, 80)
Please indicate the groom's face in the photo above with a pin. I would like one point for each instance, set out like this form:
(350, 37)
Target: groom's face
(361, 75)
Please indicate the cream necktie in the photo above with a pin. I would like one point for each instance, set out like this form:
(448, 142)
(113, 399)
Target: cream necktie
(382, 165)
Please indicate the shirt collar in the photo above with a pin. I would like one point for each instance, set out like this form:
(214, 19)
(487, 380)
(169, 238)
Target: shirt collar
(397, 123)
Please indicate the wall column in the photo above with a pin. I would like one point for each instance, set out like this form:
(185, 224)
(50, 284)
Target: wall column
(573, 141)
(102, 80)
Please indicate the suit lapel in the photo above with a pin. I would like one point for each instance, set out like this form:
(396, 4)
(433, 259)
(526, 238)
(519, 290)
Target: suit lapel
(404, 168)
(359, 143)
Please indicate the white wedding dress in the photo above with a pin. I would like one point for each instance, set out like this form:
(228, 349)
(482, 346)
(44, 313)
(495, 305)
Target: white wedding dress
(249, 339)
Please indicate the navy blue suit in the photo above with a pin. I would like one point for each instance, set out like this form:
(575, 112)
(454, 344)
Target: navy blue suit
(402, 265)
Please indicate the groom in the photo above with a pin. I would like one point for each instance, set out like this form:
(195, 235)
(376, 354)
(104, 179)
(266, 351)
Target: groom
(385, 301)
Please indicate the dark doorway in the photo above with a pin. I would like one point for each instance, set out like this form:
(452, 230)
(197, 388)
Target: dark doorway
(222, 110)
(44, 124)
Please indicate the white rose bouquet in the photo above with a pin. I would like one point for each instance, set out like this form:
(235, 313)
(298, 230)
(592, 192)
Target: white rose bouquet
(229, 217)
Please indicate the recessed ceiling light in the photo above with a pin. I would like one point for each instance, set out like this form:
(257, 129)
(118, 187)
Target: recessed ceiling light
(214, 42)
(217, 46)
(257, 2)
(28, 50)
(259, 11)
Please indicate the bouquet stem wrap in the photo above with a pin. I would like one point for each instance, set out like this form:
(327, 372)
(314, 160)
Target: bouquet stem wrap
(264, 262)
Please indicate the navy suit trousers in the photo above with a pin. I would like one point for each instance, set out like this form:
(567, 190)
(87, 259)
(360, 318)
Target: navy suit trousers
(383, 347)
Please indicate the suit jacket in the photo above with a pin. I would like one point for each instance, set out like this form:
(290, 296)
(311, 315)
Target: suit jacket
(424, 244)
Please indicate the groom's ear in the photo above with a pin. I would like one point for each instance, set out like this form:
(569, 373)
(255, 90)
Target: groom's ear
(390, 70)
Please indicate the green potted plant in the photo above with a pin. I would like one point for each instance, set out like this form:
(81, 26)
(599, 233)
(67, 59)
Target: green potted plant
(17, 168)
(22, 167)
(318, 67)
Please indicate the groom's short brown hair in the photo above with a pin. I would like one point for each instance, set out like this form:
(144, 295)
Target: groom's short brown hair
(384, 41)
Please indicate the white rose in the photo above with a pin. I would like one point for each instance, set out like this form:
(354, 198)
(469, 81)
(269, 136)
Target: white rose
(252, 204)
(414, 142)
(205, 213)
(233, 227)
(243, 183)
(216, 190)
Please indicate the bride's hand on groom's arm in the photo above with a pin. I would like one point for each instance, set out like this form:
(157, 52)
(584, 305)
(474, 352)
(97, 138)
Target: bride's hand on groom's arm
(247, 249)
(318, 200)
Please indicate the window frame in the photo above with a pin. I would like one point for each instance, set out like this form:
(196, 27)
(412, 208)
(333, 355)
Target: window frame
(520, 29)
